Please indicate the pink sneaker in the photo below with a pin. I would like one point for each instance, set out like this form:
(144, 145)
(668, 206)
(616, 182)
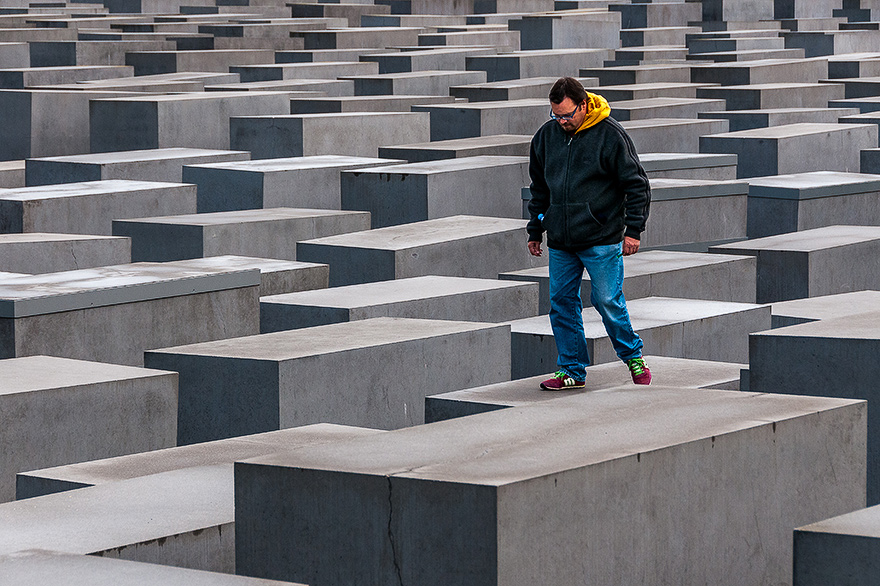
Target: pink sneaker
(561, 382)
(640, 372)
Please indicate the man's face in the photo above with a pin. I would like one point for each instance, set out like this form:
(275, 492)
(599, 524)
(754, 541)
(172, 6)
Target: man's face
(567, 107)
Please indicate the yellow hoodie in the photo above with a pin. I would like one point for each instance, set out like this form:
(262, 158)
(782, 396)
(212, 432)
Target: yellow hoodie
(597, 111)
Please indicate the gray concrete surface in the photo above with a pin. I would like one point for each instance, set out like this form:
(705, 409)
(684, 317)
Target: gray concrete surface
(39, 252)
(841, 550)
(789, 313)
(276, 276)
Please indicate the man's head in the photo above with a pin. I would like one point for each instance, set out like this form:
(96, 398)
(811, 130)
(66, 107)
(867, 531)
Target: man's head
(568, 103)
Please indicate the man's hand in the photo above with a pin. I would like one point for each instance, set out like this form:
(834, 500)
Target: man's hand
(535, 248)
(630, 246)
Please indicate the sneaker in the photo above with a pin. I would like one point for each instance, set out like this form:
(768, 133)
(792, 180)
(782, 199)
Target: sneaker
(560, 381)
(641, 375)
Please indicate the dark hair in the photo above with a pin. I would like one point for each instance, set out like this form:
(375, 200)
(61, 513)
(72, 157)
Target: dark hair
(567, 87)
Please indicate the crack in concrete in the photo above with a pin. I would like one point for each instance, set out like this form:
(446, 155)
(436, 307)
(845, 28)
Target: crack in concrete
(391, 534)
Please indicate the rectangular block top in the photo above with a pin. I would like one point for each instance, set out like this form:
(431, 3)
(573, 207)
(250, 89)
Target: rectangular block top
(666, 161)
(445, 165)
(86, 288)
(33, 237)
(424, 233)
(388, 292)
(813, 185)
(193, 97)
(329, 339)
(829, 306)
(513, 445)
(805, 240)
(799, 129)
(466, 143)
(244, 216)
(861, 326)
(231, 262)
(663, 189)
(141, 155)
(861, 523)
(295, 163)
(40, 373)
(507, 104)
(85, 188)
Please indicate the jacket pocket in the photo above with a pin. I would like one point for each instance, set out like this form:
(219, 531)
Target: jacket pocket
(553, 222)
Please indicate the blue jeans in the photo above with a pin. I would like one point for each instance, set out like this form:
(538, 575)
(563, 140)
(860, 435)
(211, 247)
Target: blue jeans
(605, 267)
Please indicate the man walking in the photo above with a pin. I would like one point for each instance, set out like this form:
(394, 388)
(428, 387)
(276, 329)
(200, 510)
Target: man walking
(591, 195)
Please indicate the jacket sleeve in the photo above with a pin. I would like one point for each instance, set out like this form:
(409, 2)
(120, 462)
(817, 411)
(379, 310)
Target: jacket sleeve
(540, 199)
(633, 181)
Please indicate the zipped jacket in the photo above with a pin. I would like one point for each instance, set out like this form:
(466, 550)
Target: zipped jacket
(587, 189)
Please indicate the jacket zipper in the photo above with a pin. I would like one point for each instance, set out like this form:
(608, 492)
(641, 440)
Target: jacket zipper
(565, 215)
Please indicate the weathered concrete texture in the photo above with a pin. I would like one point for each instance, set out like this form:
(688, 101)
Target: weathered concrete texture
(450, 121)
(798, 311)
(272, 232)
(509, 145)
(276, 276)
(295, 182)
(413, 192)
(664, 273)
(831, 355)
(357, 37)
(653, 73)
(708, 167)
(744, 73)
(362, 103)
(625, 110)
(681, 328)
(89, 207)
(12, 174)
(329, 87)
(357, 134)
(789, 203)
(577, 30)
(429, 297)
(268, 71)
(692, 210)
(810, 263)
(538, 63)
(456, 246)
(427, 83)
(39, 252)
(641, 91)
(37, 567)
(27, 77)
(96, 472)
(498, 91)
(425, 58)
(144, 165)
(843, 550)
(794, 148)
(60, 411)
(662, 135)
(286, 379)
(749, 119)
(455, 501)
(196, 120)
(66, 53)
(112, 314)
(763, 96)
(666, 371)
(218, 60)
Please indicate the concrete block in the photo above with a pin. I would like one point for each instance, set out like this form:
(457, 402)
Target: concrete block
(39, 252)
(749, 119)
(26, 77)
(360, 37)
(302, 182)
(276, 276)
(316, 55)
(794, 148)
(810, 263)
(144, 165)
(709, 167)
(860, 87)
(841, 550)
(507, 145)
(425, 59)
(299, 135)
(449, 121)
(428, 83)
(271, 233)
(681, 328)
(666, 372)
(538, 63)
(113, 314)
(428, 297)
(500, 91)
(456, 246)
(185, 120)
(666, 273)
(499, 37)
(14, 55)
(869, 161)
(460, 495)
(253, 384)
(831, 355)
(789, 203)
(656, 14)
(641, 91)
(12, 174)
(93, 410)
(350, 12)
(832, 42)
(578, 30)
(414, 192)
(653, 73)
(44, 567)
(269, 71)
(865, 105)
(724, 10)
(377, 103)
(67, 53)
(656, 36)
(90, 207)
(761, 71)
(190, 81)
(627, 110)
(662, 135)
(216, 60)
(763, 96)
(854, 65)
(798, 311)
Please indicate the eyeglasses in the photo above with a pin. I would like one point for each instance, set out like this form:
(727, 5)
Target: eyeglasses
(568, 116)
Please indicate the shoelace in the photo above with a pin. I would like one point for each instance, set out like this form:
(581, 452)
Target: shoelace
(637, 366)
(559, 374)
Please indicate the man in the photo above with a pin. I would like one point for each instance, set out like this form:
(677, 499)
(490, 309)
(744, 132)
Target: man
(591, 195)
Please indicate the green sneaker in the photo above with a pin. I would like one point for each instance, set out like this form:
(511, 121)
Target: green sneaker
(641, 375)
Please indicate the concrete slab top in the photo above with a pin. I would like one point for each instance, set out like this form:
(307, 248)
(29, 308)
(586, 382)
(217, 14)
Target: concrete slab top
(194, 97)
(660, 101)
(813, 184)
(109, 516)
(799, 129)
(102, 286)
(425, 233)
(862, 523)
(141, 155)
(342, 337)
(244, 216)
(663, 161)
(84, 188)
(295, 163)
(39, 373)
(28, 237)
(388, 292)
(773, 86)
(444, 165)
(807, 240)
(335, 115)
(512, 445)
(654, 85)
(12, 165)
(512, 83)
(659, 122)
(465, 143)
(860, 326)
(674, 189)
(412, 74)
(224, 451)
(43, 567)
(505, 104)
(829, 306)
(232, 262)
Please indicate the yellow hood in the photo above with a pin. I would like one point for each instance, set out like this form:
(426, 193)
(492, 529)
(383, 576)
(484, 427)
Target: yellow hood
(597, 111)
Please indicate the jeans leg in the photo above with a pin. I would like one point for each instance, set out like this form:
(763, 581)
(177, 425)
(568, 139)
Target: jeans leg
(605, 266)
(566, 274)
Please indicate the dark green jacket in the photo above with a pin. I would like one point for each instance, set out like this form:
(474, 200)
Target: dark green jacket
(590, 187)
